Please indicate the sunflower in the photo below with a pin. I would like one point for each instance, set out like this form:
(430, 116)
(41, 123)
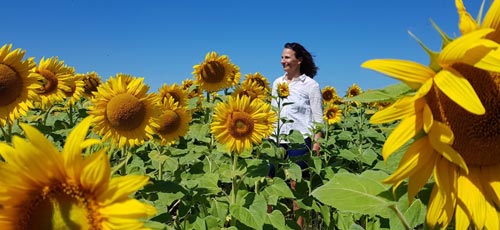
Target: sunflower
(453, 119)
(174, 122)
(329, 95)
(56, 81)
(77, 87)
(123, 112)
(332, 114)
(17, 84)
(252, 90)
(43, 188)
(353, 90)
(216, 72)
(259, 79)
(174, 91)
(240, 122)
(283, 90)
(92, 80)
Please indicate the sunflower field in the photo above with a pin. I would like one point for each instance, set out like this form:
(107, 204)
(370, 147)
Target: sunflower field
(80, 152)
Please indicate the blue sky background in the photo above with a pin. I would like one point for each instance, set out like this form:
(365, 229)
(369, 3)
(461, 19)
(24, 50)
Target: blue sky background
(162, 40)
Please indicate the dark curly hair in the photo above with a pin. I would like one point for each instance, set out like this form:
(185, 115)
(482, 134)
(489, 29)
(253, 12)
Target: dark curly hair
(307, 67)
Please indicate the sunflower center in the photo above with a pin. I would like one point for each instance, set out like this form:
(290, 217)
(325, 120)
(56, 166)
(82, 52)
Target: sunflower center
(327, 96)
(476, 136)
(61, 207)
(240, 124)
(125, 112)
(50, 83)
(213, 72)
(170, 123)
(10, 85)
(332, 113)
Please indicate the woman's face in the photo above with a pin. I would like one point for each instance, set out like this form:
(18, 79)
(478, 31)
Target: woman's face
(290, 63)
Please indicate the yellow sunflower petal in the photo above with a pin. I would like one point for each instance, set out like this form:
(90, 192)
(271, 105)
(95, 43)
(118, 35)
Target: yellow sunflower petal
(440, 136)
(462, 219)
(458, 89)
(406, 130)
(492, 20)
(95, 172)
(489, 62)
(402, 108)
(471, 194)
(418, 180)
(72, 151)
(412, 73)
(491, 182)
(443, 198)
(459, 48)
(130, 208)
(492, 218)
(8, 153)
(121, 187)
(428, 118)
(466, 22)
(411, 161)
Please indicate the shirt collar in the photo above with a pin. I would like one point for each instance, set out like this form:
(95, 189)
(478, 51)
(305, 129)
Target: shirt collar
(299, 78)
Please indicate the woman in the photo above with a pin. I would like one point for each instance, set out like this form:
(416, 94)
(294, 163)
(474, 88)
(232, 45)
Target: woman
(303, 106)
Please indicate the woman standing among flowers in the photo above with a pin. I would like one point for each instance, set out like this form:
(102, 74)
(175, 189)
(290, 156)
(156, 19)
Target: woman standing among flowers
(304, 105)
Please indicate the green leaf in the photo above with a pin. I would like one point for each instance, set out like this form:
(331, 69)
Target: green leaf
(326, 213)
(219, 208)
(389, 93)
(209, 182)
(295, 137)
(294, 172)
(275, 190)
(276, 219)
(348, 154)
(356, 193)
(246, 216)
(368, 156)
(414, 214)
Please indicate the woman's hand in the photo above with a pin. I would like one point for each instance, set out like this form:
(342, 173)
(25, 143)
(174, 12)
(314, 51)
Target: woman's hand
(316, 148)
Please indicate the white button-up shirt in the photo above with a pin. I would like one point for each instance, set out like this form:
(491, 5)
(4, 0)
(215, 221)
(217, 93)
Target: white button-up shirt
(307, 107)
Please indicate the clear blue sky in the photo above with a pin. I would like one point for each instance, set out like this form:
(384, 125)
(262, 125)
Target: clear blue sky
(162, 40)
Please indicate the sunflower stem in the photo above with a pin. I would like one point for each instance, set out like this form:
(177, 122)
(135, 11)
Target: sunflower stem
(233, 186)
(70, 115)
(401, 217)
(160, 170)
(122, 167)
(45, 117)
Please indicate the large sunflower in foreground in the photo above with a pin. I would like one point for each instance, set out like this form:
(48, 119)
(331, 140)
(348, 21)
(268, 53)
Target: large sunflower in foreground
(174, 121)
(17, 84)
(56, 81)
(42, 188)
(453, 120)
(239, 123)
(216, 72)
(125, 112)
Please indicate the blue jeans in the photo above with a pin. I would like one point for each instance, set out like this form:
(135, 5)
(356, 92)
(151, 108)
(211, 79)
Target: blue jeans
(300, 150)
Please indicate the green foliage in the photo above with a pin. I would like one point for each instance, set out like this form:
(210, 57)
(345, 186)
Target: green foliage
(196, 184)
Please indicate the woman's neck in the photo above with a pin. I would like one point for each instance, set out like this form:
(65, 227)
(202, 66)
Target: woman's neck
(291, 76)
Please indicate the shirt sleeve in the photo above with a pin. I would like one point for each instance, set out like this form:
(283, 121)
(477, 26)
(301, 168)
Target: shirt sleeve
(316, 103)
